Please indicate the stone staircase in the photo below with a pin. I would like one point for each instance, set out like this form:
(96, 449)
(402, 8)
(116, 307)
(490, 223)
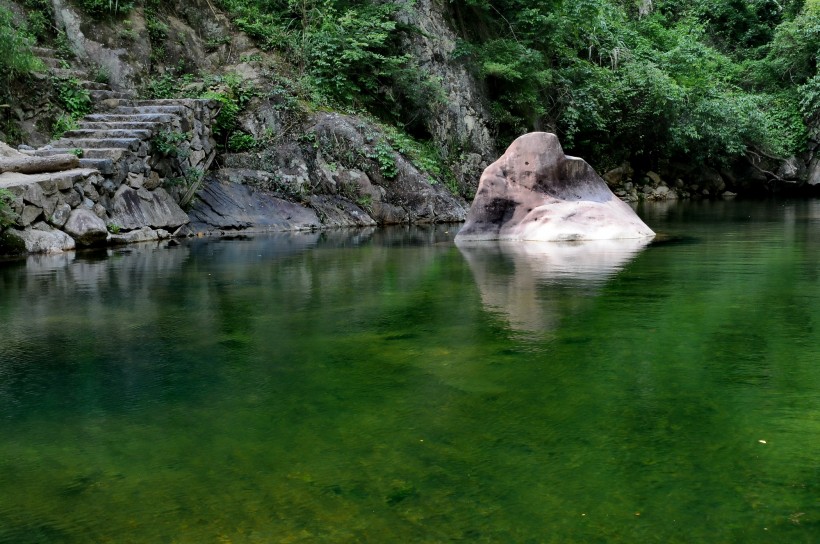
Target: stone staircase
(97, 90)
(123, 180)
(116, 138)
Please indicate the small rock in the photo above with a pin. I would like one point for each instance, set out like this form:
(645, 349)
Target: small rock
(145, 234)
(85, 227)
(49, 204)
(789, 169)
(135, 180)
(654, 178)
(72, 198)
(60, 215)
(34, 194)
(100, 211)
(29, 215)
(152, 182)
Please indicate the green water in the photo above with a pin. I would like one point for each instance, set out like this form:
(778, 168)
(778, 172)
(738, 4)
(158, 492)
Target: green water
(389, 386)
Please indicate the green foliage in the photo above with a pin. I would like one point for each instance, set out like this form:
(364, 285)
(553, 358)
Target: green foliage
(792, 55)
(240, 141)
(348, 53)
(73, 98)
(100, 8)
(157, 34)
(425, 156)
(101, 74)
(113, 228)
(703, 81)
(167, 143)
(63, 124)
(39, 15)
(171, 85)
(384, 155)
(7, 215)
(810, 98)
(16, 58)
(233, 93)
(365, 202)
(39, 24)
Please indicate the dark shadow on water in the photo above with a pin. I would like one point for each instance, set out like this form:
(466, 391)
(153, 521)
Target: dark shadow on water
(665, 240)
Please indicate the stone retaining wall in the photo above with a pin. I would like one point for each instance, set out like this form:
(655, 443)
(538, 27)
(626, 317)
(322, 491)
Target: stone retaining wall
(133, 193)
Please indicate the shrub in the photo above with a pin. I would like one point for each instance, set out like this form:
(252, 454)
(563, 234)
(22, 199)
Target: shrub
(16, 58)
(63, 124)
(166, 143)
(240, 141)
(73, 98)
(384, 155)
(99, 8)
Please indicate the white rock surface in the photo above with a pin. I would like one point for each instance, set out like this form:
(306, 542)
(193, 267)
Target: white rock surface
(535, 192)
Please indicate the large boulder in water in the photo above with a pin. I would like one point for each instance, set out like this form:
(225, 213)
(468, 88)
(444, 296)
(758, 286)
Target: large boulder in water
(535, 192)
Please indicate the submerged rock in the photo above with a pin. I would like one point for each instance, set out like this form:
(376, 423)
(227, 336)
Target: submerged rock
(535, 192)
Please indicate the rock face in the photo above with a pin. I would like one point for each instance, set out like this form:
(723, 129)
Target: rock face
(133, 209)
(535, 192)
(347, 175)
(462, 115)
(226, 205)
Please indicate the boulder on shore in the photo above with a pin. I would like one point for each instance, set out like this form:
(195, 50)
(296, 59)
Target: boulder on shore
(85, 227)
(535, 192)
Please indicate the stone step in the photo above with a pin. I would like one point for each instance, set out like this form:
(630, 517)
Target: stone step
(172, 101)
(44, 51)
(69, 73)
(107, 94)
(150, 109)
(121, 125)
(114, 154)
(131, 144)
(62, 180)
(108, 133)
(94, 85)
(105, 166)
(131, 117)
(52, 62)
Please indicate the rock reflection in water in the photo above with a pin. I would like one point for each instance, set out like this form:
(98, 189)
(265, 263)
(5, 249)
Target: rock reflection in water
(523, 280)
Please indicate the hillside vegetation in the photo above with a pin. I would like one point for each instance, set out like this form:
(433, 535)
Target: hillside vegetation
(657, 83)
(703, 81)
